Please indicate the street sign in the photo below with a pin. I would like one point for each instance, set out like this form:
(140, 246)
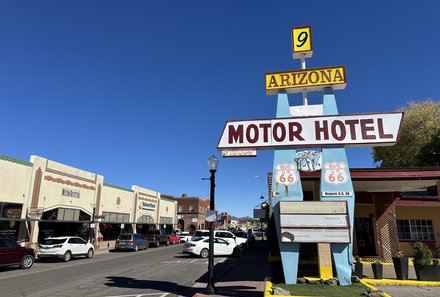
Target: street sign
(211, 216)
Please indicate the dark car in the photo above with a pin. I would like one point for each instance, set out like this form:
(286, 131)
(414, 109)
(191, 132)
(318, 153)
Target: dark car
(132, 242)
(158, 236)
(11, 253)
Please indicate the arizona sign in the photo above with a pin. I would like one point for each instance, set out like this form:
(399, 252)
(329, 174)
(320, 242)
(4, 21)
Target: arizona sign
(312, 79)
(351, 130)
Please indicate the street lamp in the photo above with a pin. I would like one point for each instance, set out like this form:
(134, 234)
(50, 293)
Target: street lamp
(89, 237)
(212, 167)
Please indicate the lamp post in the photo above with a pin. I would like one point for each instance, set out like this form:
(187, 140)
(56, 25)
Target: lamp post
(89, 237)
(212, 166)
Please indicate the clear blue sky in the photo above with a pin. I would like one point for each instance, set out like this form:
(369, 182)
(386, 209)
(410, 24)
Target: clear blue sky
(139, 91)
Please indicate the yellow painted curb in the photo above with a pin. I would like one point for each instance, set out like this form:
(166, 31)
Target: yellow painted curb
(398, 282)
(364, 282)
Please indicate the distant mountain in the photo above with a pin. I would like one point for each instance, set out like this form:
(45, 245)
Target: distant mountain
(245, 219)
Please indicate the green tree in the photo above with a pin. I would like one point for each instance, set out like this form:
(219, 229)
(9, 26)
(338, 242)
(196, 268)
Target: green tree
(419, 142)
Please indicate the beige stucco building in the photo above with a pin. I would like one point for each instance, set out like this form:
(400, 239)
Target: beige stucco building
(43, 198)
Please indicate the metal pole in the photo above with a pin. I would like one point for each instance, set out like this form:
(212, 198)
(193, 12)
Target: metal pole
(210, 288)
(90, 224)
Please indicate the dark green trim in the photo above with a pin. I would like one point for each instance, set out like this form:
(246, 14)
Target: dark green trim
(13, 160)
(116, 187)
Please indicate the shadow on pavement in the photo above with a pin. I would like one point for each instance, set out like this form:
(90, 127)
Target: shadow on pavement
(162, 286)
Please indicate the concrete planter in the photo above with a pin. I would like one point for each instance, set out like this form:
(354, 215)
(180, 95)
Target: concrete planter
(427, 272)
(377, 270)
(401, 267)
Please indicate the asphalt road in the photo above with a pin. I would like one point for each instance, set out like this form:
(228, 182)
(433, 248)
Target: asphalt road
(163, 271)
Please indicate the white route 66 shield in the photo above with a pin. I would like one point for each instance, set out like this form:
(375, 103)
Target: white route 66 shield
(335, 173)
(286, 174)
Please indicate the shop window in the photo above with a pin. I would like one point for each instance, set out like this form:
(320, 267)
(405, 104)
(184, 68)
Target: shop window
(415, 230)
(10, 210)
(114, 217)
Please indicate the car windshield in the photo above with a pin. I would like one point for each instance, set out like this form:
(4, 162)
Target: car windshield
(197, 239)
(54, 240)
(124, 237)
(202, 233)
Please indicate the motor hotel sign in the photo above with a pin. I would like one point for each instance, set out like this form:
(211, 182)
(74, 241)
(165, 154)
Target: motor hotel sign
(349, 130)
(304, 80)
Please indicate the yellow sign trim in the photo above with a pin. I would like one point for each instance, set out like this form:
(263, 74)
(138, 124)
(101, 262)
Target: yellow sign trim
(306, 80)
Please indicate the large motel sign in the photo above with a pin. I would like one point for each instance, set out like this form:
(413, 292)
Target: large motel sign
(330, 220)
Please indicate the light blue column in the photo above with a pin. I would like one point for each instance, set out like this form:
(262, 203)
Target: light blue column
(342, 253)
(293, 192)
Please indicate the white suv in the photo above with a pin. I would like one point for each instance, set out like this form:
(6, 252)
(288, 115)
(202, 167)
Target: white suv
(226, 235)
(65, 248)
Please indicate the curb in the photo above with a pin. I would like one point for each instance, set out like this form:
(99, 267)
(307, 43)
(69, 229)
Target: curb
(268, 288)
(367, 282)
(398, 282)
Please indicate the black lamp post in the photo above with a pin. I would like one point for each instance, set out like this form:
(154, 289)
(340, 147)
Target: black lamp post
(90, 224)
(212, 166)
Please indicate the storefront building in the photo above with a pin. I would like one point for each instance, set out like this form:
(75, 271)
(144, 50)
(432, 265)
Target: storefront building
(42, 198)
(191, 212)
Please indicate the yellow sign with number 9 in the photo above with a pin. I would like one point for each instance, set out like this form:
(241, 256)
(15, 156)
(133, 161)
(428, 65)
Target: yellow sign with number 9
(302, 42)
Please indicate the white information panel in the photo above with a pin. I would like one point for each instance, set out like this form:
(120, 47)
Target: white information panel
(311, 220)
(313, 207)
(306, 235)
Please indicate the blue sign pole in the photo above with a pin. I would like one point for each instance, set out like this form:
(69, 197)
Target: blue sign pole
(286, 186)
(336, 184)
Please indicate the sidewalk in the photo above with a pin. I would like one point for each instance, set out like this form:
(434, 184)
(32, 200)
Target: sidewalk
(246, 277)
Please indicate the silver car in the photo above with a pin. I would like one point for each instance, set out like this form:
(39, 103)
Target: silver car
(131, 242)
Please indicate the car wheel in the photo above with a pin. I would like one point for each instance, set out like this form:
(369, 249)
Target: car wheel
(67, 256)
(236, 252)
(27, 262)
(157, 243)
(167, 243)
(136, 248)
(204, 253)
(90, 253)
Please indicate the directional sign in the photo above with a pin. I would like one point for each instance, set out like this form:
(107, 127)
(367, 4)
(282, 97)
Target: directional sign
(376, 129)
(211, 216)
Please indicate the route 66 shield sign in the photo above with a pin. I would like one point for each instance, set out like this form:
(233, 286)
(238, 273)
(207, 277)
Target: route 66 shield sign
(286, 174)
(335, 173)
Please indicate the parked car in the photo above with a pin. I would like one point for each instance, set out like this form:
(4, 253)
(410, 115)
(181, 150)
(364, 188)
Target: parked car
(226, 235)
(185, 236)
(11, 253)
(174, 239)
(199, 246)
(65, 247)
(257, 232)
(131, 242)
(158, 236)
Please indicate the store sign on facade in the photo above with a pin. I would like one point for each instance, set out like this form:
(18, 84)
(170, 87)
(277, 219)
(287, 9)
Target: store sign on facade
(147, 206)
(350, 130)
